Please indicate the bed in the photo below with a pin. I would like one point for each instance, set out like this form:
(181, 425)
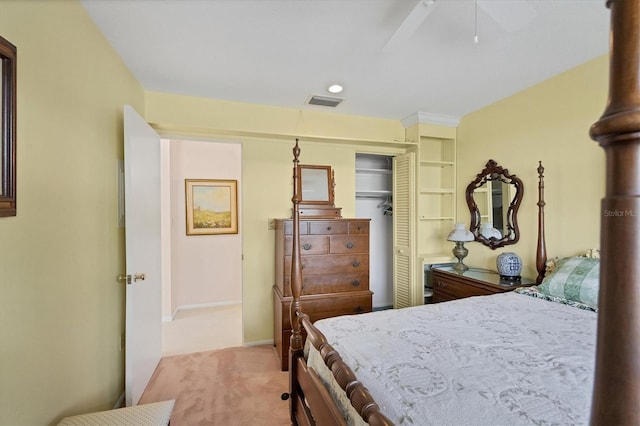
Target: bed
(488, 360)
(539, 368)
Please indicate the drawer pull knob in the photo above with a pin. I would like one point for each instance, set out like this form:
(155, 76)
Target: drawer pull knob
(355, 283)
(355, 263)
(328, 228)
(307, 246)
(357, 309)
(302, 266)
(350, 245)
(441, 284)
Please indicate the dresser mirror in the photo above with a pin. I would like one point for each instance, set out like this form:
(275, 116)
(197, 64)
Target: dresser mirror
(315, 187)
(316, 184)
(494, 199)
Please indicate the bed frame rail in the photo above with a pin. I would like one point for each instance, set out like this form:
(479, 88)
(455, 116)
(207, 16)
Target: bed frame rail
(359, 396)
(316, 395)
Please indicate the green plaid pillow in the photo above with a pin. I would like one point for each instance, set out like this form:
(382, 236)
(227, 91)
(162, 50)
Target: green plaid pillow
(576, 279)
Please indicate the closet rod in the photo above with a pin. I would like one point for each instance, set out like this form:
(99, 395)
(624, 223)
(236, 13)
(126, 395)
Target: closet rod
(378, 197)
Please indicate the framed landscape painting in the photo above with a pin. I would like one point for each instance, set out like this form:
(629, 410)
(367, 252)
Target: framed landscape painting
(212, 206)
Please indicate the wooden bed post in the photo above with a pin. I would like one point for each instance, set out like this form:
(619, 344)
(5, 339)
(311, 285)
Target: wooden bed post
(541, 251)
(616, 395)
(295, 347)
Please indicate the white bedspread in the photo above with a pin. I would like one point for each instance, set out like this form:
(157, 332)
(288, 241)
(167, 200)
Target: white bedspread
(491, 360)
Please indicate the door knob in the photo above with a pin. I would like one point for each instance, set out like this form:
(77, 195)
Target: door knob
(127, 278)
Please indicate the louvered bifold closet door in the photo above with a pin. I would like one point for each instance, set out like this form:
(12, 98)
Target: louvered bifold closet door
(404, 245)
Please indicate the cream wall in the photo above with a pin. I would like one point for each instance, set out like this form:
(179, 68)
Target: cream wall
(267, 135)
(547, 122)
(61, 309)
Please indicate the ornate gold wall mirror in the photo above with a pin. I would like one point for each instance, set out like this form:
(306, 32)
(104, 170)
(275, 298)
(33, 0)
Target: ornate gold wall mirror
(8, 53)
(494, 199)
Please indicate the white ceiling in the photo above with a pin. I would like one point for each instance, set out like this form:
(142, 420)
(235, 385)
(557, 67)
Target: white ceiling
(394, 57)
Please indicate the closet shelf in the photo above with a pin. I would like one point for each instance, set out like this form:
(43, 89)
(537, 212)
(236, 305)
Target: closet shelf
(434, 163)
(374, 194)
(374, 171)
(432, 258)
(437, 191)
(436, 218)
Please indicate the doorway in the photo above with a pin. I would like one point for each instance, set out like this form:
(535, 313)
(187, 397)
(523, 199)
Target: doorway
(202, 298)
(374, 200)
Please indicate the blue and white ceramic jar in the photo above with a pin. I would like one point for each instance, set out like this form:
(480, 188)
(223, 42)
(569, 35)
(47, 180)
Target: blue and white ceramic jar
(509, 266)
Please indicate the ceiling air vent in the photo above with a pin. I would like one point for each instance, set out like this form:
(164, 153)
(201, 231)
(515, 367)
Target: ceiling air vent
(324, 101)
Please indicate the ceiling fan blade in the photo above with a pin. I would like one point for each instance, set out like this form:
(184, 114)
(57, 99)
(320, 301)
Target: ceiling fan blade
(410, 24)
(510, 15)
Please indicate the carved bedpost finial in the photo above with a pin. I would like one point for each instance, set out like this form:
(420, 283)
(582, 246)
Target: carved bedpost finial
(296, 264)
(541, 253)
(541, 202)
(540, 170)
(296, 188)
(296, 153)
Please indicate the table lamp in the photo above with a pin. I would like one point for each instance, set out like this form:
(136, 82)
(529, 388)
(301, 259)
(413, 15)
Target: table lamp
(459, 235)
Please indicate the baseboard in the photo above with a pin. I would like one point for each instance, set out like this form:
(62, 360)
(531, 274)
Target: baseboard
(382, 308)
(200, 306)
(120, 402)
(259, 343)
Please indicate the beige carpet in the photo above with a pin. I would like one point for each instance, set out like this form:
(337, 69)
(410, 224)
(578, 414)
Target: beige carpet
(230, 387)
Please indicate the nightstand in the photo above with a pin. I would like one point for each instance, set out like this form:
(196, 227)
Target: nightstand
(449, 284)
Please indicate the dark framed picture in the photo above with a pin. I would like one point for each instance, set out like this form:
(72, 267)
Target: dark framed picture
(8, 55)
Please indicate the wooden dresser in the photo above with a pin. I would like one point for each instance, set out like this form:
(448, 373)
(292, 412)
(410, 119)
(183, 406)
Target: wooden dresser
(335, 274)
(451, 285)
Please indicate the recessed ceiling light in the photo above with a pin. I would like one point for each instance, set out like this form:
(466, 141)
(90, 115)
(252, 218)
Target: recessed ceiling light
(335, 88)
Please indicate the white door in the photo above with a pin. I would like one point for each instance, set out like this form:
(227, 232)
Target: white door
(143, 343)
(404, 240)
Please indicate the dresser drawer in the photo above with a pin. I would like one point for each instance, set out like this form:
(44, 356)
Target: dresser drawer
(349, 244)
(329, 283)
(326, 306)
(288, 227)
(328, 227)
(332, 308)
(359, 227)
(444, 289)
(331, 263)
(308, 245)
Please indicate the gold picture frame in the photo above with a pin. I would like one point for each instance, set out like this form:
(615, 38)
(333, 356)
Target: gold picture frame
(212, 206)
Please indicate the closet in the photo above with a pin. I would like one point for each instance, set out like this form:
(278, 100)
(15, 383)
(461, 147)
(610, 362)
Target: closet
(374, 200)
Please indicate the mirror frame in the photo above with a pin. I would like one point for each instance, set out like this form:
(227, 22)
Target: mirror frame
(492, 171)
(8, 55)
(330, 185)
